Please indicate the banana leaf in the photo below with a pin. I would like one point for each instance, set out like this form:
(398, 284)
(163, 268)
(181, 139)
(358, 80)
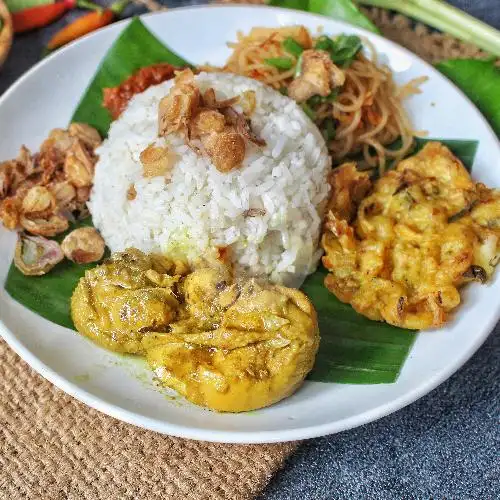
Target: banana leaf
(342, 10)
(480, 80)
(353, 349)
(135, 48)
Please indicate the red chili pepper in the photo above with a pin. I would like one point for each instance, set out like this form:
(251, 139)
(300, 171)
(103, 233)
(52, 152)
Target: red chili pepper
(86, 24)
(42, 15)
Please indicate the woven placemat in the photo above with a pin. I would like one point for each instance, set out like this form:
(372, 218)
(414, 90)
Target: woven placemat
(54, 448)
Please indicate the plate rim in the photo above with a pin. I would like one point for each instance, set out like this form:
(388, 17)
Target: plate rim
(231, 436)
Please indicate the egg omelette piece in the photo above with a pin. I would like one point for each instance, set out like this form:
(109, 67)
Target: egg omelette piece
(399, 249)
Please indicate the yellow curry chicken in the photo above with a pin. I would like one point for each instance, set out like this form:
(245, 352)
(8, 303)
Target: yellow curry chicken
(230, 345)
(398, 250)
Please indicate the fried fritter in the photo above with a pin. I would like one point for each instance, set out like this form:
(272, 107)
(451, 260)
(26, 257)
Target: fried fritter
(425, 230)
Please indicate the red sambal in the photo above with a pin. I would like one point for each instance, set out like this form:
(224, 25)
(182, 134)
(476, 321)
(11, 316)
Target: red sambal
(116, 98)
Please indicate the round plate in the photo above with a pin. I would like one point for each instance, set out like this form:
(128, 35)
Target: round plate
(45, 98)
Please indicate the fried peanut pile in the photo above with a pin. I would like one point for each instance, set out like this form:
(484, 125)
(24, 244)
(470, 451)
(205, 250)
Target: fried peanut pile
(400, 253)
(210, 127)
(224, 344)
(40, 192)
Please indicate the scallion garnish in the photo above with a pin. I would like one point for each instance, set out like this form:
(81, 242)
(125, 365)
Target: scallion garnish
(292, 46)
(282, 63)
(328, 129)
(308, 111)
(345, 48)
(298, 67)
(324, 43)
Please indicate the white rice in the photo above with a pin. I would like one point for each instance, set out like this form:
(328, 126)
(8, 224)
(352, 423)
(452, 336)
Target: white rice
(200, 207)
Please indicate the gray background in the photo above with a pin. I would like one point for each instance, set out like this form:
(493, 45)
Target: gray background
(446, 445)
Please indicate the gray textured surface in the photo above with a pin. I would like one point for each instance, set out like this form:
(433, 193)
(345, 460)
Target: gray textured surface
(444, 446)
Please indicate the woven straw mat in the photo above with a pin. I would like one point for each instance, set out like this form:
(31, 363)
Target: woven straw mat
(56, 448)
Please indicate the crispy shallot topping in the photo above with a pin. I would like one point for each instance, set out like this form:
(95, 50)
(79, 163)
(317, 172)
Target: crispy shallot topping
(255, 212)
(65, 194)
(83, 245)
(177, 108)
(205, 122)
(39, 192)
(225, 149)
(216, 124)
(38, 202)
(79, 166)
(248, 102)
(87, 134)
(35, 256)
(49, 227)
(131, 193)
(9, 213)
(210, 100)
(157, 161)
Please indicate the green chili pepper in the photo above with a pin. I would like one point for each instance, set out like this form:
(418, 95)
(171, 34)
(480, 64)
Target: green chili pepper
(282, 63)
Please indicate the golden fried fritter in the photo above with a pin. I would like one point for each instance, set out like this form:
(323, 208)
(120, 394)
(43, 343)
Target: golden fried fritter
(425, 230)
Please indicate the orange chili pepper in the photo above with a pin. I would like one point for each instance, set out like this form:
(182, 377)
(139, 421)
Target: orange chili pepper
(86, 24)
(42, 15)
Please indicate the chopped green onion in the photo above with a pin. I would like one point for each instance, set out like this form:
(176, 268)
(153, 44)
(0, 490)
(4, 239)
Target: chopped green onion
(324, 43)
(308, 111)
(342, 50)
(332, 96)
(316, 100)
(345, 49)
(328, 129)
(298, 67)
(292, 46)
(282, 63)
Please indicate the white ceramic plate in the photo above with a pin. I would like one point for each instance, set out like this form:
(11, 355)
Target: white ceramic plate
(45, 98)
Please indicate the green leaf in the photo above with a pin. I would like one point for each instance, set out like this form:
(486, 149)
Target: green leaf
(134, 49)
(354, 349)
(282, 63)
(342, 10)
(480, 80)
